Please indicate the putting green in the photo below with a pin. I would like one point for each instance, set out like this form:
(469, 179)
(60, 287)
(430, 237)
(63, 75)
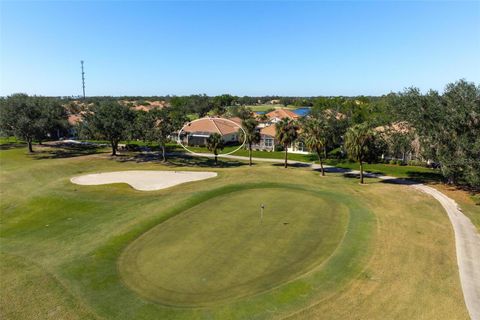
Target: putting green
(220, 250)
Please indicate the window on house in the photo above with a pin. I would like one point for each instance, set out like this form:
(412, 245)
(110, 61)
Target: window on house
(268, 142)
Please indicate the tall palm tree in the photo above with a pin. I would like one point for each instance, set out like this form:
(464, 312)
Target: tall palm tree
(286, 134)
(315, 138)
(214, 144)
(357, 143)
(250, 134)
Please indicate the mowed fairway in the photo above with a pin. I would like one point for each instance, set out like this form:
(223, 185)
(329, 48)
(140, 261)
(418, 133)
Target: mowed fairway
(328, 247)
(220, 249)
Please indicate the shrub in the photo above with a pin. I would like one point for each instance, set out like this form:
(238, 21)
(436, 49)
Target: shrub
(476, 199)
(416, 163)
(336, 154)
(392, 162)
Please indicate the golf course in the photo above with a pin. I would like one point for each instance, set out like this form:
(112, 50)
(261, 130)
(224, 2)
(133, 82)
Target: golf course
(322, 247)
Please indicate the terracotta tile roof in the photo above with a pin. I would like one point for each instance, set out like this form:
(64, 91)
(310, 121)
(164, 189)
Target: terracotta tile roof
(269, 131)
(237, 120)
(73, 119)
(396, 127)
(141, 108)
(338, 115)
(151, 105)
(283, 113)
(158, 103)
(213, 125)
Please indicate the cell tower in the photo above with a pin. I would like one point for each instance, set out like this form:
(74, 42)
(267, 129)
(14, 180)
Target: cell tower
(83, 80)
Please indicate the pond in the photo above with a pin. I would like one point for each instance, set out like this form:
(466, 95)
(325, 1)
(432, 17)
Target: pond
(302, 111)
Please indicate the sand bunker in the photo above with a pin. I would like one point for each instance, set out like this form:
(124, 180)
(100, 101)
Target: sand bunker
(143, 180)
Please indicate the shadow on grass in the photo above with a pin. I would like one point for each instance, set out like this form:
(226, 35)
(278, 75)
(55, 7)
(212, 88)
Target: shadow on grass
(293, 165)
(425, 176)
(180, 160)
(63, 150)
(334, 170)
(12, 145)
(407, 182)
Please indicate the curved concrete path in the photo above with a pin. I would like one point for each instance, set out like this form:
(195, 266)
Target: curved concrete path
(467, 238)
(467, 243)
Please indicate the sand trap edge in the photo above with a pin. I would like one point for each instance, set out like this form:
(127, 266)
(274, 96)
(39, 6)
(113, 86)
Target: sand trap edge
(143, 180)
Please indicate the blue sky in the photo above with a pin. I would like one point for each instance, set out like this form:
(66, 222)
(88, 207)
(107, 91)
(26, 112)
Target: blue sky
(242, 48)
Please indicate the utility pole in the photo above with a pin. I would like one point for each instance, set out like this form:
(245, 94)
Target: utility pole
(83, 80)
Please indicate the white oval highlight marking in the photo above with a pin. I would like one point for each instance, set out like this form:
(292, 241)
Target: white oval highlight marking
(179, 141)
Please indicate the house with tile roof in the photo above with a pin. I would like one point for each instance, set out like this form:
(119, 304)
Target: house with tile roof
(268, 132)
(267, 139)
(279, 114)
(197, 132)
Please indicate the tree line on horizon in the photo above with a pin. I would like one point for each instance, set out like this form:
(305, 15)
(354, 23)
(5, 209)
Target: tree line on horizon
(444, 126)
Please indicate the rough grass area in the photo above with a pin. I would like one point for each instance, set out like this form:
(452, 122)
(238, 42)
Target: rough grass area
(61, 243)
(407, 237)
(469, 201)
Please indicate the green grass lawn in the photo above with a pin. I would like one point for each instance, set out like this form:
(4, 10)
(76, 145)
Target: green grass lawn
(66, 249)
(278, 155)
(257, 154)
(422, 174)
(235, 253)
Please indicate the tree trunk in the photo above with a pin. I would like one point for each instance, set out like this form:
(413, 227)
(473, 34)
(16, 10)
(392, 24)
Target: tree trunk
(361, 172)
(321, 163)
(216, 160)
(286, 156)
(114, 148)
(164, 158)
(30, 148)
(250, 154)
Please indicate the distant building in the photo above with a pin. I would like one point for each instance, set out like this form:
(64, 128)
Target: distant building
(393, 131)
(267, 128)
(298, 147)
(267, 139)
(148, 105)
(279, 114)
(274, 101)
